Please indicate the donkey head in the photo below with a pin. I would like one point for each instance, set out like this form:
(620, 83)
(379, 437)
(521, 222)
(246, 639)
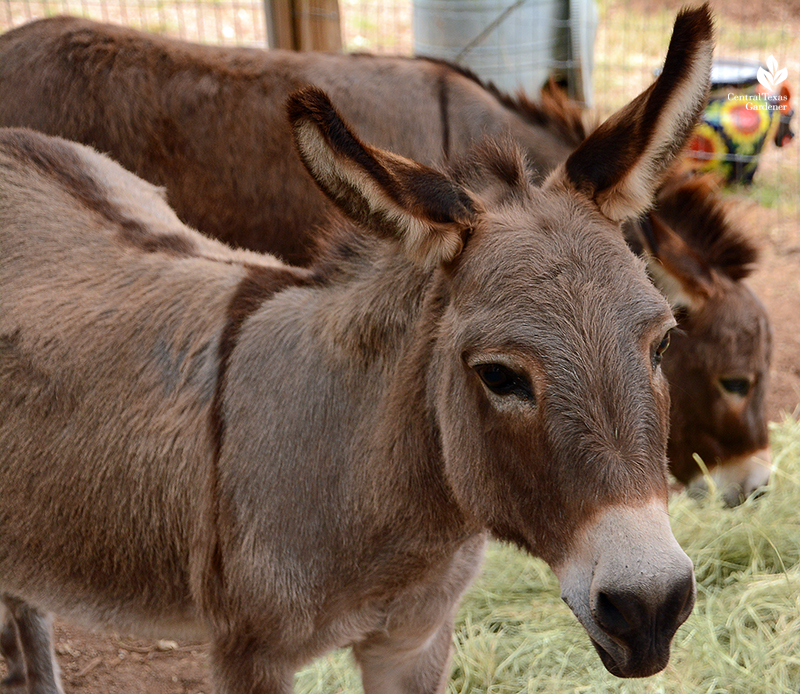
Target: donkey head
(719, 361)
(542, 380)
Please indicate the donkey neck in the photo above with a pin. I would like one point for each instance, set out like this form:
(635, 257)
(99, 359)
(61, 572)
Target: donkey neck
(371, 299)
(347, 356)
(380, 319)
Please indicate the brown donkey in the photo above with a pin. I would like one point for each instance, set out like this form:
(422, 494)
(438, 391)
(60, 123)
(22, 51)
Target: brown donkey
(718, 365)
(200, 441)
(208, 124)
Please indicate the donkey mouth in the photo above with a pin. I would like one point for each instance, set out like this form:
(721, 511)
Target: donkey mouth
(631, 665)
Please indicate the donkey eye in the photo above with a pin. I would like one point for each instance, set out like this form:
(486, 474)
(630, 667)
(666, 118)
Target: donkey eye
(658, 354)
(735, 386)
(503, 381)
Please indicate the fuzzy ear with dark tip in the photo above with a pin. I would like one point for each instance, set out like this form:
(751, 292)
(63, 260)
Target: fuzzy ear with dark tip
(693, 207)
(389, 195)
(621, 163)
(681, 275)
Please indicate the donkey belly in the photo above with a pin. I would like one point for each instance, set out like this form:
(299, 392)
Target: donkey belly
(73, 556)
(96, 513)
(61, 557)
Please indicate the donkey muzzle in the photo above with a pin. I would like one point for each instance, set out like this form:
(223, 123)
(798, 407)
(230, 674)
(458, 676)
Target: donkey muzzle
(737, 479)
(631, 586)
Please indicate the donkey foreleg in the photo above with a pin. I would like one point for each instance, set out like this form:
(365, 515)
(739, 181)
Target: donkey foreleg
(411, 653)
(390, 667)
(11, 652)
(241, 666)
(27, 643)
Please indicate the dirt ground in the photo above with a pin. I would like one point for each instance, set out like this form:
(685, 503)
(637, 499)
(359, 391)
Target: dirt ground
(111, 664)
(777, 283)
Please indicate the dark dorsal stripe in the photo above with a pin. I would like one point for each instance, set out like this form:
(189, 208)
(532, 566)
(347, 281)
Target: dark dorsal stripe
(59, 162)
(444, 106)
(555, 112)
(257, 286)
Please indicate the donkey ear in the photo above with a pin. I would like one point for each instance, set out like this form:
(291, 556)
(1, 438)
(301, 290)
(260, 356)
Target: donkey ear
(679, 273)
(387, 194)
(621, 163)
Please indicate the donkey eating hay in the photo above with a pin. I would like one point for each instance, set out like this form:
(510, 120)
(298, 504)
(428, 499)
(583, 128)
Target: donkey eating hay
(207, 442)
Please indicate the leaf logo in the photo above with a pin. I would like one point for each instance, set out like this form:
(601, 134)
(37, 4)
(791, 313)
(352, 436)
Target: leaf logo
(774, 77)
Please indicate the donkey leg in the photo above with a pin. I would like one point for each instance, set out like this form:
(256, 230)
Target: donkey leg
(10, 650)
(34, 632)
(242, 667)
(394, 666)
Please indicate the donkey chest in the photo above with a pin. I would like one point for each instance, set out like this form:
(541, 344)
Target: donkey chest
(393, 602)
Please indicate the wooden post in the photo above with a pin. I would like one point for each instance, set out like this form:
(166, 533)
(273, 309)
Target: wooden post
(304, 25)
(317, 25)
(280, 29)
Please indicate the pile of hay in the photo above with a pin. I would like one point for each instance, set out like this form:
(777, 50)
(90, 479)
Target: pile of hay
(514, 635)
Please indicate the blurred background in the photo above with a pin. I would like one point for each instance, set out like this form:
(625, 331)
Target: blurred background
(603, 51)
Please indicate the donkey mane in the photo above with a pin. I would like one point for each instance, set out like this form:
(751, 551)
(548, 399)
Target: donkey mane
(555, 112)
(342, 256)
(694, 208)
(339, 250)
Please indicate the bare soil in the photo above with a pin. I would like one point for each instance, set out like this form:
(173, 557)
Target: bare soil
(777, 283)
(94, 663)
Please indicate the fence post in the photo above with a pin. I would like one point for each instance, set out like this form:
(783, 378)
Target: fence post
(306, 25)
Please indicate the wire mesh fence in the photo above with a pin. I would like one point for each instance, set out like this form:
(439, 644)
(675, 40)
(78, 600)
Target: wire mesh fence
(382, 26)
(631, 40)
(239, 22)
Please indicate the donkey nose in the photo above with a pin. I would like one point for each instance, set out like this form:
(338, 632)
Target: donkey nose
(737, 479)
(617, 612)
(643, 618)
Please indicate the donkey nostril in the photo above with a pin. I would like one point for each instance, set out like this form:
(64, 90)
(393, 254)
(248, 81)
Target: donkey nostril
(617, 613)
(677, 610)
(736, 495)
